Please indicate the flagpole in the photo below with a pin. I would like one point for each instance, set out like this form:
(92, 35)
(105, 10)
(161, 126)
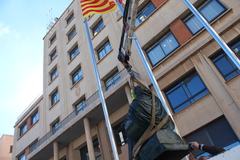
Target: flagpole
(149, 71)
(109, 128)
(213, 33)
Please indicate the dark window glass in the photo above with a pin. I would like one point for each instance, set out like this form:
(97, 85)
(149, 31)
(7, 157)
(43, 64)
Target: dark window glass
(104, 50)
(54, 98)
(55, 127)
(81, 106)
(144, 13)
(209, 10)
(74, 52)
(72, 34)
(162, 48)
(76, 76)
(70, 18)
(112, 80)
(84, 151)
(11, 148)
(22, 157)
(23, 129)
(186, 91)
(53, 39)
(224, 64)
(217, 133)
(54, 74)
(120, 135)
(98, 27)
(53, 55)
(34, 118)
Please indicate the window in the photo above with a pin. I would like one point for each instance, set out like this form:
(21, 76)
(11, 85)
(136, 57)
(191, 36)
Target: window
(54, 98)
(144, 13)
(224, 64)
(81, 106)
(22, 157)
(33, 146)
(23, 129)
(104, 50)
(209, 10)
(98, 27)
(97, 153)
(218, 133)
(34, 118)
(55, 127)
(73, 52)
(186, 91)
(76, 76)
(70, 18)
(11, 148)
(162, 48)
(112, 80)
(72, 34)
(120, 135)
(53, 39)
(53, 55)
(54, 74)
(235, 46)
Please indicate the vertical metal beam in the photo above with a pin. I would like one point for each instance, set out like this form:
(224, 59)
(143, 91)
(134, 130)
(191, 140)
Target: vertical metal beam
(109, 127)
(213, 33)
(149, 71)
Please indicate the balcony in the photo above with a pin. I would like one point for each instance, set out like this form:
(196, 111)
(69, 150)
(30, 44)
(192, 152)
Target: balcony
(72, 127)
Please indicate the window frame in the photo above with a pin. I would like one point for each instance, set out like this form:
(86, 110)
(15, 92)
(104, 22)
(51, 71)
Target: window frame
(80, 106)
(203, 5)
(22, 156)
(71, 34)
(53, 55)
(120, 141)
(53, 74)
(158, 44)
(104, 48)
(54, 97)
(189, 97)
(76, 74)
(33, 120)
(73, 52)
(140, 12)
(53, 39)
(98, 27)
(70, 18)
(112, 79)
(56, 126)
(23, 129)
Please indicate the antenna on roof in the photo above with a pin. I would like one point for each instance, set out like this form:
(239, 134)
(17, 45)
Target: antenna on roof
(50, 22)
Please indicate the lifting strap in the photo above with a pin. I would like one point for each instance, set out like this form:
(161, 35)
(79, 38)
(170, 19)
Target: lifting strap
(150, 130)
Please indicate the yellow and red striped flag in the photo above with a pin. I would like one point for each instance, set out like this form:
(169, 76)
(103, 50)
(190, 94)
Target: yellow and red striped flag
(97, 6)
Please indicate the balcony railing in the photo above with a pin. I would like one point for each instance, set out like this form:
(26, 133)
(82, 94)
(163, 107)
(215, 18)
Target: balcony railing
(123, 73)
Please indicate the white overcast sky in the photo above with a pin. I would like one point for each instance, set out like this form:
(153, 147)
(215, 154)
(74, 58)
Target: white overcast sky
(23, 25)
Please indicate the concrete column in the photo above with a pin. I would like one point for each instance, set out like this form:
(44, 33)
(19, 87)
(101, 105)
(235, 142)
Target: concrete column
(55, 151)
(89, 138)
(128, 94)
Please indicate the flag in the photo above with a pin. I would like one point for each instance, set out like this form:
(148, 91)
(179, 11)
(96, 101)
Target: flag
(97, 6)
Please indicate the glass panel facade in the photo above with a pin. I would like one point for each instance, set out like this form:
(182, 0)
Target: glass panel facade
(162, 48)
(209, 10)
(98, 27)
(144, 13)
(186, 91)
(104, 50)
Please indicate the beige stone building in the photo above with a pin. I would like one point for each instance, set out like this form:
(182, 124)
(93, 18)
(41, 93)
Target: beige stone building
(6, 147)
(200, 84)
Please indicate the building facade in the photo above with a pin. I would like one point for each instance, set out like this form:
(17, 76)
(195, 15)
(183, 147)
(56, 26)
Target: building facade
(197, 79)
(6, 147)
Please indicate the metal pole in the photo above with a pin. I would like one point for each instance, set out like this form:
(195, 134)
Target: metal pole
(213, 33)
(109, 127)
(149, 71)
